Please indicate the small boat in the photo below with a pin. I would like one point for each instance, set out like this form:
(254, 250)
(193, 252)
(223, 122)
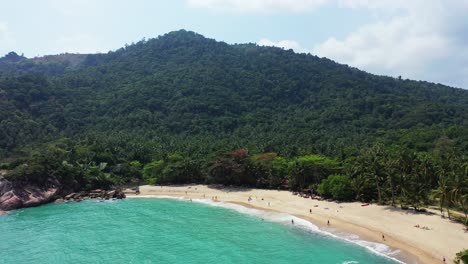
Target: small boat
(366, 204)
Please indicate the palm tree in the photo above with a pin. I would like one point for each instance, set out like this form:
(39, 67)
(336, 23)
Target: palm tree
(358, 184)
(425, 175)
(442, 193)
(408, 181)
(391, 172)
(461, 256)
(459, 188)
(376, 158)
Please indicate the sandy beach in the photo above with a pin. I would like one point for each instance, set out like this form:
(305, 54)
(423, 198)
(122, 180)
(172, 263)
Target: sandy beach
(442, 239)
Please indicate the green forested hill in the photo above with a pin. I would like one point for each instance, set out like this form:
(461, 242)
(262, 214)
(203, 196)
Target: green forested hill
(182, 108)
(182, 92)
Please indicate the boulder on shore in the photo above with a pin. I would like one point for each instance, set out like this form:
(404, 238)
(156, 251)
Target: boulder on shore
(70, 196)
(14, 195)
(96, 194)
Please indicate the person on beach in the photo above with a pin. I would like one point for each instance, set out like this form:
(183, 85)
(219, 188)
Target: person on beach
(310, 210)
(328, 222)
(383, 237)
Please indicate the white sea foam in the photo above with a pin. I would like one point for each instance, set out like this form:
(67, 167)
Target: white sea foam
(284, 218)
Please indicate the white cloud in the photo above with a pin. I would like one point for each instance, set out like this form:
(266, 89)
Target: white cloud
(259, 6)
(416, 41)
(376, 4)
(394, 45)
(6, 39)
(286, 44)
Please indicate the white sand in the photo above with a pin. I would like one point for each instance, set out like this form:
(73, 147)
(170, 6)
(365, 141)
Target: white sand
(443, 239)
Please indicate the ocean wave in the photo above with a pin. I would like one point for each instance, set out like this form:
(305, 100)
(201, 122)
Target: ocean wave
(284, 218)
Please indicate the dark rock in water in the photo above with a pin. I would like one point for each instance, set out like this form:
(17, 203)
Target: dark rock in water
(19, 194)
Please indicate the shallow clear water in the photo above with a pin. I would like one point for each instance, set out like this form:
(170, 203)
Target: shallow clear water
(163, 231)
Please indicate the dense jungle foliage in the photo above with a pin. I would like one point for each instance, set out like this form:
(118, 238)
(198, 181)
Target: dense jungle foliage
(183, 108)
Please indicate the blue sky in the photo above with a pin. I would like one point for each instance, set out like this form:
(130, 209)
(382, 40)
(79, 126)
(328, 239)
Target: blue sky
(422, 40)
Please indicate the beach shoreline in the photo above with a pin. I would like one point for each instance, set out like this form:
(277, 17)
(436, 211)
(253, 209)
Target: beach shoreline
(370, 223)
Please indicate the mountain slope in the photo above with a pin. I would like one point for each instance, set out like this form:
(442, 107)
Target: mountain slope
(182, 92)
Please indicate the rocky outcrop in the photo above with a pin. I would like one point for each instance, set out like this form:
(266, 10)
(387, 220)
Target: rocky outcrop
(14, 195)
(95, 194)
(18, 194)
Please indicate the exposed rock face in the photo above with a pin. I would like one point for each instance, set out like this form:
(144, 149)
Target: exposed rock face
(96, 194)
(14, 195)
(18, 195)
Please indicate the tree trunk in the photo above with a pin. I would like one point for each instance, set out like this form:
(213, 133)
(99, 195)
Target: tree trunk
(379, 194)
(393, 195)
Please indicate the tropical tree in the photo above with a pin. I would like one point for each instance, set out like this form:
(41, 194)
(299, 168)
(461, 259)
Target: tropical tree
(337, 187)
(371, 165)
(459, 187)
(461, 257)
(442, 193)
(310, 169)
(268, 169)
(360, 186)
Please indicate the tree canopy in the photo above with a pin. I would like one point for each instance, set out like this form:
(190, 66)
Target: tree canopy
(183, 108)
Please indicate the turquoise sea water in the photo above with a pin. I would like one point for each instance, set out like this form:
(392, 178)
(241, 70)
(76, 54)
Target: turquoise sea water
(166, 231)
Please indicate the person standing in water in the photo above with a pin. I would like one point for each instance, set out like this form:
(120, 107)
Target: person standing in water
(292, 221)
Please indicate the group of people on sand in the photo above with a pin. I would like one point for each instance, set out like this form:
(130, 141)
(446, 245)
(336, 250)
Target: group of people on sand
(422, 227)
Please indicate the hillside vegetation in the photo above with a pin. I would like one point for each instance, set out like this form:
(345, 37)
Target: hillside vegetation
(184, 108)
